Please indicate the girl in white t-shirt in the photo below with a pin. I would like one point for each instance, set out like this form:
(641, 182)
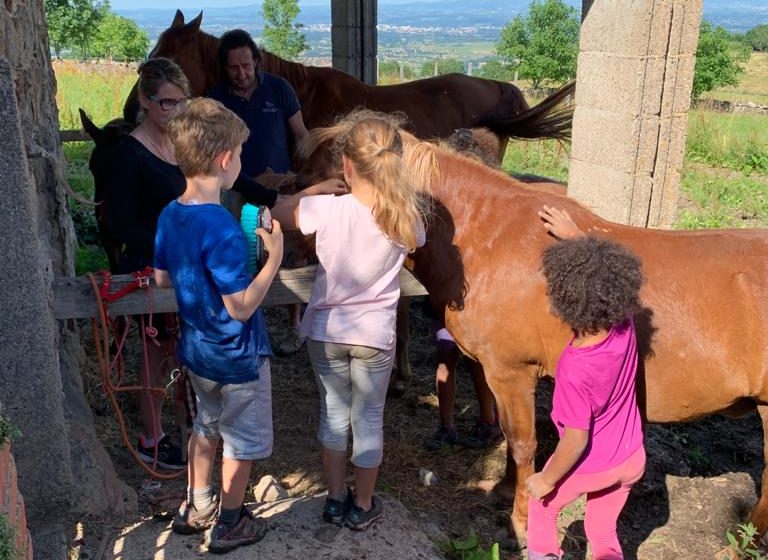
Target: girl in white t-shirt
(362, 239)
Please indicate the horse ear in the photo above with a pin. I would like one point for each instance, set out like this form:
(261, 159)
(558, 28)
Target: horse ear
(178, 19)
(93, 131)
(194, 25)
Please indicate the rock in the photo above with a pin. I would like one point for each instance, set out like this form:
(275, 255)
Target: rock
(269, 490)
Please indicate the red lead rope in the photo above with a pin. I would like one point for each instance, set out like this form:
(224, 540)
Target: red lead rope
(101, 337)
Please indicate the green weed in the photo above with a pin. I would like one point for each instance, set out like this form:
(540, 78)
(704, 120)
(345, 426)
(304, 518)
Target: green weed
(8, 432)
(7, 539)
(742, 544)
(470, 549)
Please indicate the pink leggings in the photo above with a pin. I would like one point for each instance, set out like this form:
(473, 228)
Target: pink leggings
(606, 491)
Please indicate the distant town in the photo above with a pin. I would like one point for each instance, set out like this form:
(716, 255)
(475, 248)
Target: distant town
(422, 30)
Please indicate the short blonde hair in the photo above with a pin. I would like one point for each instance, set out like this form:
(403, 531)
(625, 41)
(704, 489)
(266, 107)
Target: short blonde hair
(202, 129)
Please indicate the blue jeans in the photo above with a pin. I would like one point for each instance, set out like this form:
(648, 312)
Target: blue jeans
(352, 381)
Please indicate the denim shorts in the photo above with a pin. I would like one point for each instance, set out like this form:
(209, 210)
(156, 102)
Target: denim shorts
(239, 413)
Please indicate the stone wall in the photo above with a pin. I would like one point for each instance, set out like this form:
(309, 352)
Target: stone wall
(63, 470)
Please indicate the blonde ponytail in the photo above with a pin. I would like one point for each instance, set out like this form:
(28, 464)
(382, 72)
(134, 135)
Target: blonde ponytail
(374, 146)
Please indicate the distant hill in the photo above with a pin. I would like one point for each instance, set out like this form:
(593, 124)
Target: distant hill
(419, 23)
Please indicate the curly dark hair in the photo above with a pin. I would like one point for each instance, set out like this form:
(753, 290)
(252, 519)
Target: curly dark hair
(592, 283)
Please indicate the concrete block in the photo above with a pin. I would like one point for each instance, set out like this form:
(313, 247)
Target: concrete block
(670, 195)
(652, 86)
(659, 28)
(606, 138)
(647, 145)
(641, 201)
(689, 28)
(620, 28)
(609, 82)
(603, 190)
(683, 84)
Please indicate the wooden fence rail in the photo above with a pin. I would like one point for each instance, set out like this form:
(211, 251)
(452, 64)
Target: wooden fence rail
(75, 136)
(73, 296)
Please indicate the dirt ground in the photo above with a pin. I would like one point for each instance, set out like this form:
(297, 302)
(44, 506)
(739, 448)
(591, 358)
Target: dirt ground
(699, 484)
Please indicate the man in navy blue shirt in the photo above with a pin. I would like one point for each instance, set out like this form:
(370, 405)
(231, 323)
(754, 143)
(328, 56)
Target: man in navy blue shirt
(271, 110)
(266, 102)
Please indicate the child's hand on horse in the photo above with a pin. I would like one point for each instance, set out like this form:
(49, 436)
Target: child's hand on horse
(329, 186)
(559, 223)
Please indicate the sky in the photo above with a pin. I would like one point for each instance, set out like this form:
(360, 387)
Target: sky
(199, 4)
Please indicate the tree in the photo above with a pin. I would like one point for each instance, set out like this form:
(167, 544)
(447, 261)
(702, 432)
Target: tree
(120, 38)
(395, 69)
(72, 24)
(757, 38)
(717, 61)
(544, 44)
(442, 66)
(281, 36)
(495, 69)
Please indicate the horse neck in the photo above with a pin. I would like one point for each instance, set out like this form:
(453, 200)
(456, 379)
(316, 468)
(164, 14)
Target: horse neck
(208, 48)
(295, 73)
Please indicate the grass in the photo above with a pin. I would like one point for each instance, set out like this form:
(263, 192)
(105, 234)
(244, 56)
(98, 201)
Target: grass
(753, 85)
(99, 89)
(720, 200)
(728, 140)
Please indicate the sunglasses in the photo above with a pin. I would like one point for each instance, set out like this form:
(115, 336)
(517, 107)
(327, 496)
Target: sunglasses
(167, 103)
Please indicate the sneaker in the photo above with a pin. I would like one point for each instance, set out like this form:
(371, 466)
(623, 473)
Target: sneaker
(482, 436)
(188, 520)
(335, 511)
(247, 530)
(443, 436)
(168, 455)
(359, 519)
(291, 344)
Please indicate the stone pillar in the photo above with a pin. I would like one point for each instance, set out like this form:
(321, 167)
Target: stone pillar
(30, 385)
(634, 79)
(63, 470)
(353, 38)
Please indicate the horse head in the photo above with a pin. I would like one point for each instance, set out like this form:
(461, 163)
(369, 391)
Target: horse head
(106, 140)
(193, 50)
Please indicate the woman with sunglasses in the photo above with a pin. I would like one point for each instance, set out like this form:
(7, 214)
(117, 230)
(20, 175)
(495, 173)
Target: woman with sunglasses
(144, 178)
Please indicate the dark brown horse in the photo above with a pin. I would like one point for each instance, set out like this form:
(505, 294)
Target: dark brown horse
(702, 335)
(435, 107)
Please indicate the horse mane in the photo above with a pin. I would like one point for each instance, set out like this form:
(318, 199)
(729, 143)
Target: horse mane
(421, 157)
(294, 72)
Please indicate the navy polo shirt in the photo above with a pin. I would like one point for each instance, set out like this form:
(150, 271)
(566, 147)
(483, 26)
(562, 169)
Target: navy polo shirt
(266, 113)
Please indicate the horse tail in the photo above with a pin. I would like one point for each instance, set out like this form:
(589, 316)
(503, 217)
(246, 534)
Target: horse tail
(552, 118)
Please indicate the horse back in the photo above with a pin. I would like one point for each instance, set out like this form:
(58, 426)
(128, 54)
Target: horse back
(703, 330)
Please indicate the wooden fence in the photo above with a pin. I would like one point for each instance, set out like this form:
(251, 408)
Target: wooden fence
(73, 296)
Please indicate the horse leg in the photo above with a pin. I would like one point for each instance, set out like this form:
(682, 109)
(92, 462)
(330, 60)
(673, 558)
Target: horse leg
(402, 371)
(515, 393)
(759, 515)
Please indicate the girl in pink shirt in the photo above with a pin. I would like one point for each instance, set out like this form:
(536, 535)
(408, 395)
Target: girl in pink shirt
(362, 239)
(593, 286)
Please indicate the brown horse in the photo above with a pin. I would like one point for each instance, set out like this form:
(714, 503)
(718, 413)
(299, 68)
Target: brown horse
(481, 263)
(435, 106)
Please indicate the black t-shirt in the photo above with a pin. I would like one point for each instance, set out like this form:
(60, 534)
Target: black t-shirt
(142, 185)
